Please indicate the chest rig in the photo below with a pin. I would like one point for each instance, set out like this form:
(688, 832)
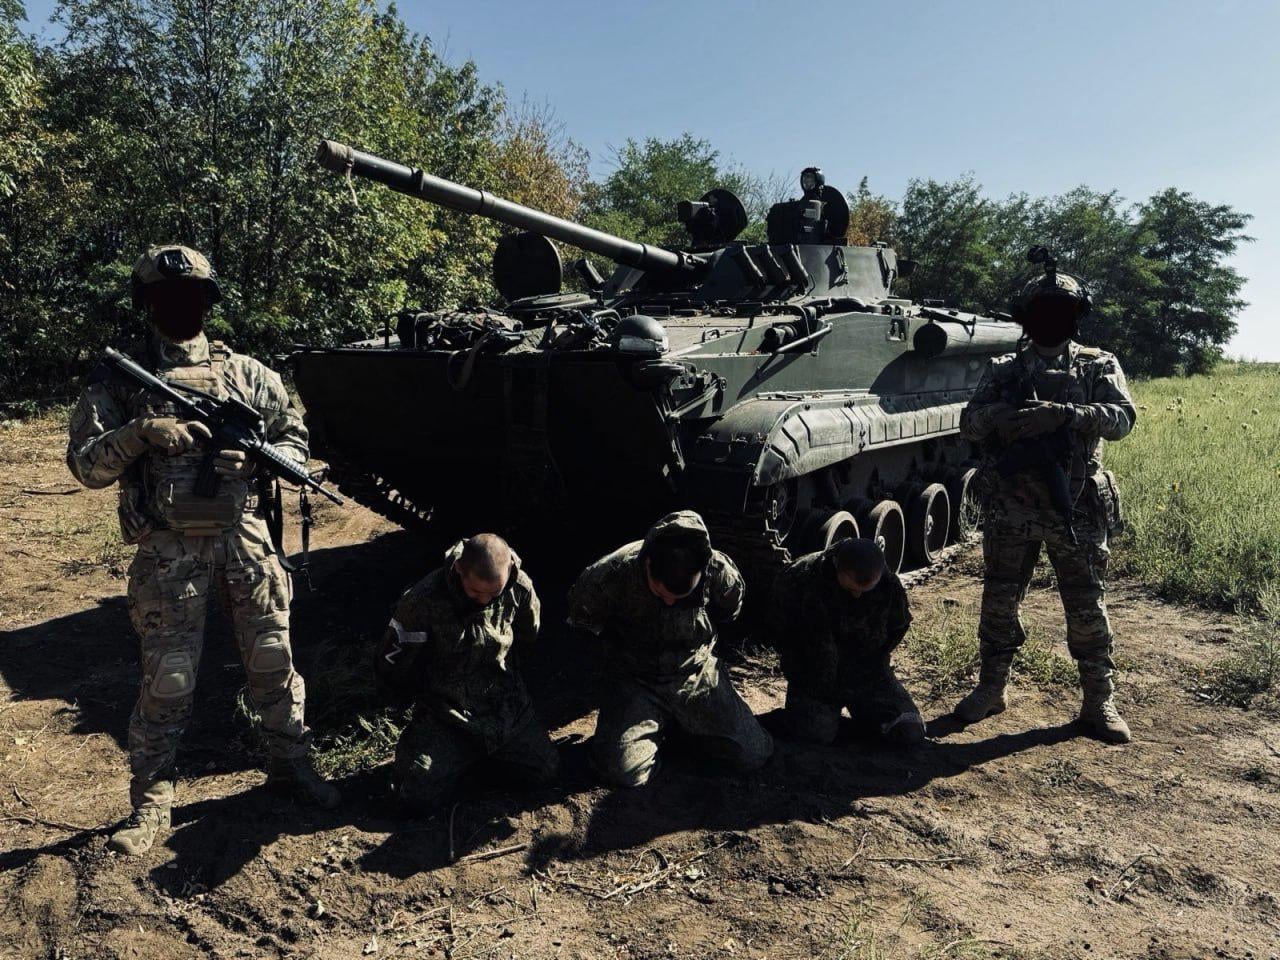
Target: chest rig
(165, 486)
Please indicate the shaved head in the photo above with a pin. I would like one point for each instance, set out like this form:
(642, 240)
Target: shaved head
(860, 560)
(486, 556)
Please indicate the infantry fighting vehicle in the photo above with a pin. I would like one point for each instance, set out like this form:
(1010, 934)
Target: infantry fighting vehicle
(778, 387)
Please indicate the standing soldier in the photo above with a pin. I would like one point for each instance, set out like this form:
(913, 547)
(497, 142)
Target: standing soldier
(655, 604)
(1042, 414)
(837, 617)
(190, 545)
(452, 650)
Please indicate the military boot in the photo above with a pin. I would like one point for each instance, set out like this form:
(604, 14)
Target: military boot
(151, 806)
(1098, 713)
(298, 776)
(988, 697)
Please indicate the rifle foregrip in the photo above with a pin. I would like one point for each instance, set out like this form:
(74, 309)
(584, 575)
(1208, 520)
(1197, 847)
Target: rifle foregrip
(281, 465)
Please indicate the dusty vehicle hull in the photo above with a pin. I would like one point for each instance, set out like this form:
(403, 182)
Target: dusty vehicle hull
(778, 387)
(539, 441)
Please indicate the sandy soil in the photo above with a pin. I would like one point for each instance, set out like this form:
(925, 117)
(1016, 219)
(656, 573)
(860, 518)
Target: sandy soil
(1014, 838)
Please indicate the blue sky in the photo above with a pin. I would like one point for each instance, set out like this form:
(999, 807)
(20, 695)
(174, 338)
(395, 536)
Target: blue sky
(1133, 96)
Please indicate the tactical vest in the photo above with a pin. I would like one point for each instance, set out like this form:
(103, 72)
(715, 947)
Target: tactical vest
(1060, 386)
(163, 487)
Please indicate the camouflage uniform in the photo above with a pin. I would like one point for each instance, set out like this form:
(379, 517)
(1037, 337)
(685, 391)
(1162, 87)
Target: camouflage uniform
(190, 547)
(1019, 517)
(837, 652)
(458, 663)
(661, 662)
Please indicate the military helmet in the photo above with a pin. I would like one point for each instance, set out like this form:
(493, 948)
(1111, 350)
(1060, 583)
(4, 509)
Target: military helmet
(640, 336)
(172, 262)
(1051, 284)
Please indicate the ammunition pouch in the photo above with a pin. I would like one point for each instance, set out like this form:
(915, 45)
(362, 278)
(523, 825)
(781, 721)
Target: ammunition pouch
(173, 501)
(134, 522)
(1110, 507)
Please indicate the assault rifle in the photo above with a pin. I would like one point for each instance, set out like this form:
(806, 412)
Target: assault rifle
(234, 424)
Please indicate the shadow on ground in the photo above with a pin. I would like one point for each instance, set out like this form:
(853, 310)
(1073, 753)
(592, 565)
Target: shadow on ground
(95, 672)
(95, 669)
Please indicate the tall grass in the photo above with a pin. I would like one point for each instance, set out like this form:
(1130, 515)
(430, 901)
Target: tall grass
(1200, 479)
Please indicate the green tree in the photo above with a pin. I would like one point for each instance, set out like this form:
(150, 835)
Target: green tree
(1188, 313)
(1164, 296)
(19, 100)
(638, 199)
(196, 121)
(872, 217)
(946, 227)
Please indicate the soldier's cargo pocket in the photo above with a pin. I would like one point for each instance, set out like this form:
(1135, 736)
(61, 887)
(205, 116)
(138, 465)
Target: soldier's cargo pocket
(143, 595)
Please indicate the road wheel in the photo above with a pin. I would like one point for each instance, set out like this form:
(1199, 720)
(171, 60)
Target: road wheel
(928, 524)
(885, 525)
(825, 527)
(966, 512)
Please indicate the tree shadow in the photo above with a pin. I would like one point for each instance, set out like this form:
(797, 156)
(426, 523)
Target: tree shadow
(18, 857)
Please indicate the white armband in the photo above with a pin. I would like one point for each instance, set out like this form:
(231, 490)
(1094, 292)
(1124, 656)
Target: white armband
(407, 636)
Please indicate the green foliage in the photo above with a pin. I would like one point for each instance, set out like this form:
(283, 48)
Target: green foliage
(1164, 297)
(369, 742)
(872, 217)
(1186, 315)
(946, 227)
(170, 121)
(1198, 476)
(943, 646)
(19, 100)
(943, 641)
(638, 199)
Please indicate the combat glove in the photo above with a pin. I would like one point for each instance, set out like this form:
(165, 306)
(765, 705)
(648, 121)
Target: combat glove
(171, 436)
(233, 463)
(1038, 417)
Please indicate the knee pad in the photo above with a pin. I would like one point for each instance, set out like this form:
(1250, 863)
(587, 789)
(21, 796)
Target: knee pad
(270, 654)
(175, 676)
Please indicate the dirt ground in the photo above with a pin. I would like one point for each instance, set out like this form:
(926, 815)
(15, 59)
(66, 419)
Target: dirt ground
(1013, 838)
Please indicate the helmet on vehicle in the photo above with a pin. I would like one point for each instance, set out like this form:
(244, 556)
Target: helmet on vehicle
(170, 264)
(640, 336)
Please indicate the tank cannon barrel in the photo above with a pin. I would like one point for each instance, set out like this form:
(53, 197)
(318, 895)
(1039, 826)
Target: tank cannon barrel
(341, 158)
